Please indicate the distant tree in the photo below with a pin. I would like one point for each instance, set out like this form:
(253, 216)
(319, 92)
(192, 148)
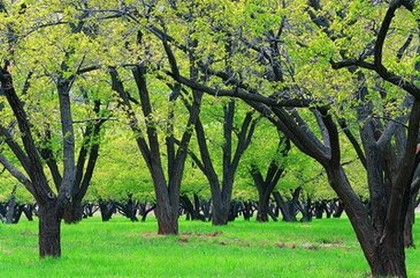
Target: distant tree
(266, 183)
(221, 185)
(167, 186)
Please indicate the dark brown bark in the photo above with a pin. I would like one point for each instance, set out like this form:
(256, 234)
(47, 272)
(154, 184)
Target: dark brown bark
(192, 210)
(408, 229)
(263, 204)
(220, 212)
(73, 213)
(49, 231)
(167, 221)
(287, 208)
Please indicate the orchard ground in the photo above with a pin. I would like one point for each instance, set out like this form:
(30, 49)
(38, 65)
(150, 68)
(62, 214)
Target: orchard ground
(120, 248)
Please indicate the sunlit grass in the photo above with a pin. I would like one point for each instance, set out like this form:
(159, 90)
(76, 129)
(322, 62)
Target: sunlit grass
(323, 248)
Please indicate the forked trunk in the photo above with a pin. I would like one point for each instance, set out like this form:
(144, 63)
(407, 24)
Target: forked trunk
(386, 257)
(49, 232)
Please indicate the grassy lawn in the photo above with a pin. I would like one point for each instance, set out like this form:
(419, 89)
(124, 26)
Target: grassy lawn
(323, 248)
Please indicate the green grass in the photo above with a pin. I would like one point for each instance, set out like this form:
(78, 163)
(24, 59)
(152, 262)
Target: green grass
(323, 248)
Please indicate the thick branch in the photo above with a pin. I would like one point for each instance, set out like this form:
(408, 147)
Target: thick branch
(17, 174)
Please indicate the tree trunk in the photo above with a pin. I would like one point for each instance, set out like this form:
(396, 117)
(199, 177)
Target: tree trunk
(408, 224)
(285, 207)
(385, 255)
(390, 261)
(220, 212)
(73, 213)
(49, 232)
(263, 202)
(10, 210)
(167, 221)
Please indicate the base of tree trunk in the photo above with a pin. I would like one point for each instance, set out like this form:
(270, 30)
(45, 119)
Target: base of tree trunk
(262, 215)
(49, 233)
(390, 263)
(220, 218)
(167, 226)
(408, 224)
(408, 237)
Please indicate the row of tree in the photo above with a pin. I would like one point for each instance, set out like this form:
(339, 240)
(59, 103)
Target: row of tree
(289, 207)
(320, 72)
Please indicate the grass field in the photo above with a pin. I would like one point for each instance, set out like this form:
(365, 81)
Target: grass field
(323, 248)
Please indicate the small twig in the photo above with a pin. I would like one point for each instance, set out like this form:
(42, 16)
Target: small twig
(391, 120)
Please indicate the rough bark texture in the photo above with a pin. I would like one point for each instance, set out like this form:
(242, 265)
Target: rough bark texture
(49, 232)
(167, 221)
(73, 213)
(408, 225)
(220, 212)
(263, 203)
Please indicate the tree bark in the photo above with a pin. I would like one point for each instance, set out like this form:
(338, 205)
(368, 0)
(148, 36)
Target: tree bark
(49, 231)
(263, 203)
(391, 262)
(286, 207)
(384, 255)
(73, 213)
(220, 213)
(167, 221)
(408, 224)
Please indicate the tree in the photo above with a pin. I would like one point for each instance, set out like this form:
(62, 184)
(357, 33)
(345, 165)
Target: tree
(265, 185)
(385, 254)
(29, 138)
(221, 185)
(167, 187)
(392, 184)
